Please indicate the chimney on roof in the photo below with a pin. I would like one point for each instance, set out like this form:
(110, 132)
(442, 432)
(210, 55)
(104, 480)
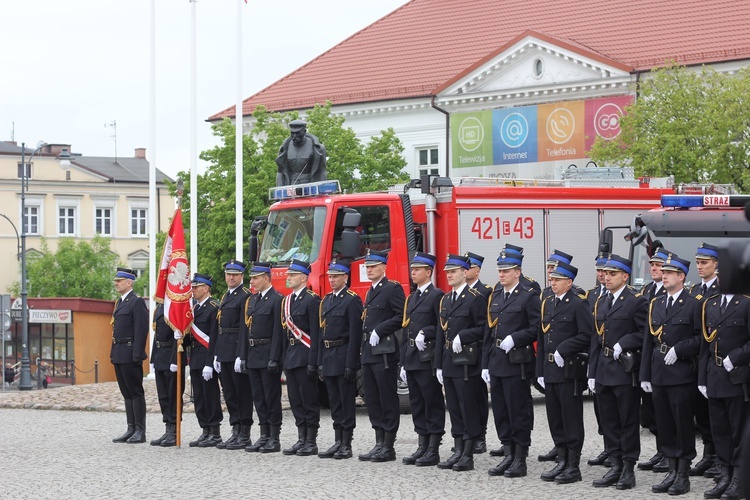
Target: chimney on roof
(55, 149)
(140, 153)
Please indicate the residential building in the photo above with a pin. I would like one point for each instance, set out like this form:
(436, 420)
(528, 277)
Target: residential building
(506, 88)
(94, 195)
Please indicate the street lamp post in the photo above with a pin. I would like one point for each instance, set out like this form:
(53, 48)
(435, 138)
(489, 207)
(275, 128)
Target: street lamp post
(24, 382)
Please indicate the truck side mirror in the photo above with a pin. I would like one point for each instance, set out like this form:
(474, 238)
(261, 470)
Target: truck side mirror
(638, 232)
(605, 241)
(350, 237)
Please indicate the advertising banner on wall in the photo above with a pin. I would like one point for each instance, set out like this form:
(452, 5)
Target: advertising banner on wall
(472, 139)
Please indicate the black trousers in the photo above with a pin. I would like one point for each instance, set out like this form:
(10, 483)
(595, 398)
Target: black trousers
(129, 379)
(427, 402)
(381, 395)
(702, 418)
(728, 417)
(341, 398)
(303, 397)
(565, 415)
(513, 409)
(238, 394)
(207, 399)
(647, 407)
(673, 405)
(266, 395)
(618, 409)
(166, 391)
(464, 406)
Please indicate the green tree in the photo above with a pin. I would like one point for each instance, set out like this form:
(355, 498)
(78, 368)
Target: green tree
(358, 167)
(694, 125)
(76, 269)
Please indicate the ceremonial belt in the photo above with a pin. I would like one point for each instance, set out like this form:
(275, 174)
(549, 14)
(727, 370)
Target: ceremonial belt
(551, 357)
(298, 333)
(335, 343)
(200, 336)
(122, 340)
(663, 348)
(254, 342)
(608, 352)
(169, 343)
(228, 330)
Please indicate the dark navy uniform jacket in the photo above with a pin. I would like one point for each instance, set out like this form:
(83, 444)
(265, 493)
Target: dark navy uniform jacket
(647, 291)
(484, 289)
(623, 324)
(262, 323)
(420, 314)
(383, 312)
(204, 318)
(304, 312)
(230, 316)
(467, 318)
(341, 323)
(527, 282)
(729, 334)
(679, 328)
(566, 328)
(593, 295)
(163, 344)
(129, 321)
(697, 290)
(517, 317)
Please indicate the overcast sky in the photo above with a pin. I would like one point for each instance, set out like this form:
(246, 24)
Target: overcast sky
(72, 67)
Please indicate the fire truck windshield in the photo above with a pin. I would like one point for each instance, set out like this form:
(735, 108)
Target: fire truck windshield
(293, 233)
(683, 246)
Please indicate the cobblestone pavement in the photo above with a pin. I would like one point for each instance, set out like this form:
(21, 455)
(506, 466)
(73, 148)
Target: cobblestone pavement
(69, 454)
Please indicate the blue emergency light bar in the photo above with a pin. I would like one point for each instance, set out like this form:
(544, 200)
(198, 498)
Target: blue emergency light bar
(303, 190)
(704, 200)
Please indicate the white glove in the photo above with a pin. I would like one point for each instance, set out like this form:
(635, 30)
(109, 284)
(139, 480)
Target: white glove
(439, 375)
(457, 345)
(671, 357)
(177, 335)
(208, 373)
(419, 342)
(486, 376)
(703, 390)
(173, 368)
(559, 361)
(403, 374)
(374, 339)
(217, 365)
(237, 364)
(507, 344)
(153, 370)
(617, 350)
(728, 366)
(540, 381)
(592, 385)
(646, 386)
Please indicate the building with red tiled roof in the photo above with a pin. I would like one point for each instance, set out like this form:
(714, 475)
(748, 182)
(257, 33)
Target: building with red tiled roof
(566, 68)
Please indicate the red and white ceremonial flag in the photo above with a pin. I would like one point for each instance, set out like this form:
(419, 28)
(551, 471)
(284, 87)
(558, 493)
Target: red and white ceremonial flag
(173, 286)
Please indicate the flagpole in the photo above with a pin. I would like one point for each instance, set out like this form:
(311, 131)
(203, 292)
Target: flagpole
(193, 139)
(180, 349)
(238, 140)
(152, 173)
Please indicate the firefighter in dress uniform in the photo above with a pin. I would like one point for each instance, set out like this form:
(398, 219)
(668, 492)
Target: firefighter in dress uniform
(463, 317)
(420, 321)
(619, 320)
(707, 264)
(129, 333)
(525, 281)
(259, 355)
(655, 289)
(473, 281)
(381, 318)
(338, 356)
(236, 386)
(164, 364)
(724, 354)
(565, 331)
(671, 344)
(200, 345)
(301, 323)
(508, 363)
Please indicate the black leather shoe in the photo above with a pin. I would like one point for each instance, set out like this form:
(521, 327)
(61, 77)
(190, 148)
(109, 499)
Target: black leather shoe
(421, 449)
(379, 437)
(668, 480)
(333, 449)
(562, 464)
(480, 447)
(550, 456)
(681, 483)
(661, 467)
(200, 439)
(599, 459)
(518, 466)
(612, 475)
(500, 468)
(649, 464)
(497, 452)
(627, 477)
(466, 462)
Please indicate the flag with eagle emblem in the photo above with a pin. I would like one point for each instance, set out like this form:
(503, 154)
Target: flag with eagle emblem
(173, 287)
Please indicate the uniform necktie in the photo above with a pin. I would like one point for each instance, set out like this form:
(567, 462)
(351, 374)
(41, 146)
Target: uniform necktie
(557, 302)
(704, 288)
(611, 301)
(652, 292)
(670, 302)
(724, 304)
(418, 294)
(454, 296)
(507, 296)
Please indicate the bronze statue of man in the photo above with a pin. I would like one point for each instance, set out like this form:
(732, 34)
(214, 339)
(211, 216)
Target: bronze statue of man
(302, 158)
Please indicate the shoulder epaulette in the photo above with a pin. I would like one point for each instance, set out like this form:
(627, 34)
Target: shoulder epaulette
(246, 289)
(214, 302)
(639, 294)
(488, 286)
(351, 292)
(531, 290)
(310, 292)
(586, 295)
(473, 291)
(329, 293)
(583, 297)
(530, 279)
(394, 282)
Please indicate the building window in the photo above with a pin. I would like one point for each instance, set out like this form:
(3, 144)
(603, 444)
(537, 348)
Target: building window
(103, 221)
(20, 170)
(138, 221)
(66, 221)
(31, 220)
(428, 161)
